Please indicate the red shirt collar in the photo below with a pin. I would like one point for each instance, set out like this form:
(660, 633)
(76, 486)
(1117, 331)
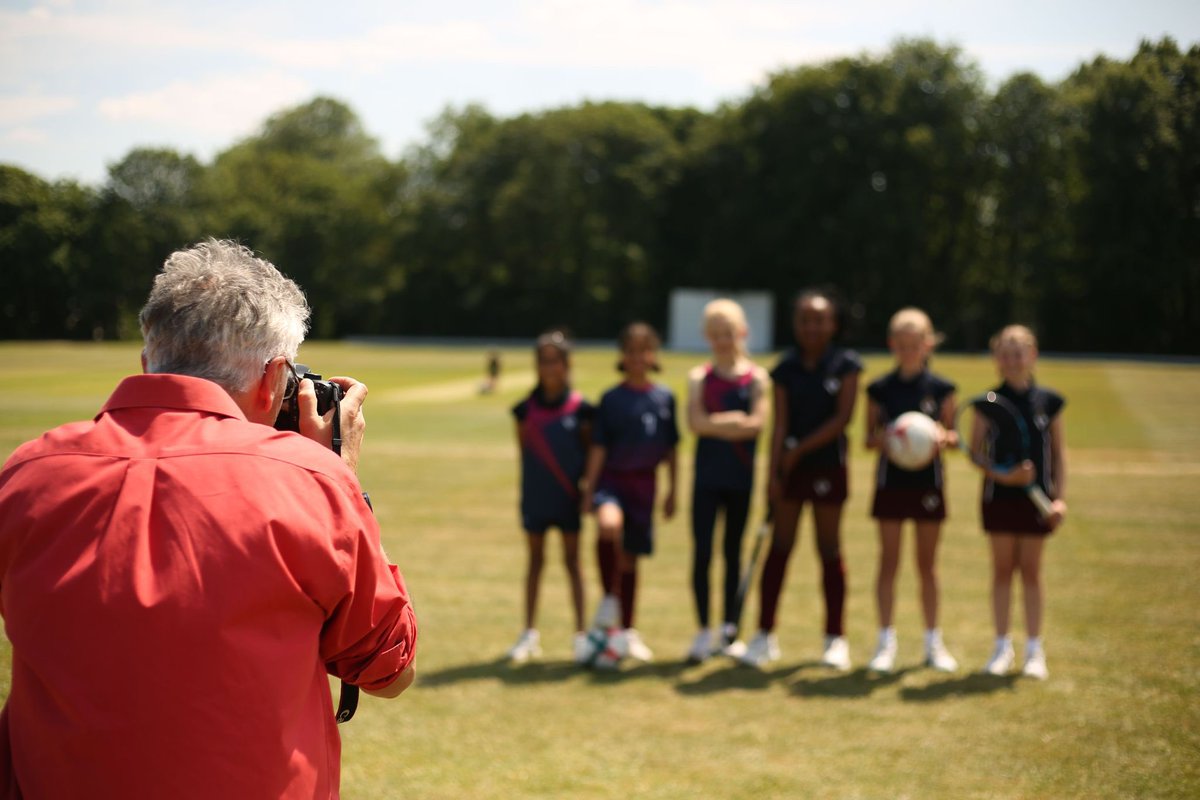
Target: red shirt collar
(181, 392)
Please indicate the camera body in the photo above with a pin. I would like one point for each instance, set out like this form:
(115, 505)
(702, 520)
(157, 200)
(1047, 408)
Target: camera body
(328, 395)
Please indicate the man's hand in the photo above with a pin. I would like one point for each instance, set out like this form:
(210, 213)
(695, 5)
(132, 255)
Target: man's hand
(320, 428)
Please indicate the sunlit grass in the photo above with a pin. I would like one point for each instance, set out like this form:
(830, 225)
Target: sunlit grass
(1117, 718)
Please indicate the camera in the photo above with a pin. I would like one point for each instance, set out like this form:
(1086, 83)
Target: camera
(328, 395)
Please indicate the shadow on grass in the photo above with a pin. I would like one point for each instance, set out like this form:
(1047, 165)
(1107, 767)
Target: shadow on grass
(858, 683)
(502, 670)
(735, 676)
(964, 686)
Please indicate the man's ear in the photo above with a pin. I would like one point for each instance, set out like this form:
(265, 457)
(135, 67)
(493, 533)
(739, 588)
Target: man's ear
(268, 390)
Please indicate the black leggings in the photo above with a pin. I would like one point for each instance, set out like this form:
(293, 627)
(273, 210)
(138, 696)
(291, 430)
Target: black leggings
(705, 505)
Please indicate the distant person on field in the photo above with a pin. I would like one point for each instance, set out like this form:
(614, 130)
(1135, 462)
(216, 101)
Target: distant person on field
(634, 431)
(179, 579)
(1016, 533)
(816, 385)
(726, 409)
(902, 494)
(553, 433)
(491, 379)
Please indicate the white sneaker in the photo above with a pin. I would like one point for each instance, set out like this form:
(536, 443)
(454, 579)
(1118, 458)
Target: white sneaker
(702, 647)
(581, 648)
(936, 654)
(837, 653)
(1035, 665)
(608, 613)
(763, 648)
(528, 646)
(635, 648)
(729, 644)
(1002, 659)
(884, 659)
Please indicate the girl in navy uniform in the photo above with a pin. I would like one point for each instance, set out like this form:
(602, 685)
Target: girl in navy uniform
(727, 405)
(552, 431)
(815, 389)
(634, 431)
(1015, 531)
(902, 494)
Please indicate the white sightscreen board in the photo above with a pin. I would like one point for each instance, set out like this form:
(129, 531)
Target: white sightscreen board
(687, 314)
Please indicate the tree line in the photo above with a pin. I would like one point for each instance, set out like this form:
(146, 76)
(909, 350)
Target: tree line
(899, 179)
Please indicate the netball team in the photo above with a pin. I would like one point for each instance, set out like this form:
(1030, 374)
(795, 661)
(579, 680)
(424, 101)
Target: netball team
(605, 460)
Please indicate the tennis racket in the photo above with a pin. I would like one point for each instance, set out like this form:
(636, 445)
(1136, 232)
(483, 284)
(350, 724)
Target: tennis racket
(761, 537)
(1000, 412)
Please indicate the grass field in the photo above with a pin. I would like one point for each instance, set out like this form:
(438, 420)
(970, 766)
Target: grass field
(1118, 718)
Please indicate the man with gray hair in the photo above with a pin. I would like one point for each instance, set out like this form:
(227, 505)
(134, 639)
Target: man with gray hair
(178, 579)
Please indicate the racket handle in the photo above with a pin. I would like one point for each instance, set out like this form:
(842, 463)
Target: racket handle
(1045, 506)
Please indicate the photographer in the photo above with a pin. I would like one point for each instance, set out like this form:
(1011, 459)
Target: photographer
(178, 579)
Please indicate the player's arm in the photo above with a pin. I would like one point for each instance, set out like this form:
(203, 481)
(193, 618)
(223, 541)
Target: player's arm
(833, 427)
(778, 434)
(595, 462)
(1058, 464)
(1021, 476)
(749, 426)
(947, 436)
(873, 435)
(672, 474)
(721, 424)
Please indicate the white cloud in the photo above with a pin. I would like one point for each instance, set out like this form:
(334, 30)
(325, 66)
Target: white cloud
(19, 109)
(26, 136)
(223, 106)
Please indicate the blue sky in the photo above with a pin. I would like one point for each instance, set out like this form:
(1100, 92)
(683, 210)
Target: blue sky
(84, 81)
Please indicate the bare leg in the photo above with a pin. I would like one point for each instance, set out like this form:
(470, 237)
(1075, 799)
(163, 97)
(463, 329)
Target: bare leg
(1004, 555)
(610, 523)
(928, 535)
(1029, 556)
(571, 562)
(533, 576)
(889, 564)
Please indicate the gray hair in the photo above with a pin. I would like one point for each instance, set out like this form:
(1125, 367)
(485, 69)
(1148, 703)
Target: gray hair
(218, 312)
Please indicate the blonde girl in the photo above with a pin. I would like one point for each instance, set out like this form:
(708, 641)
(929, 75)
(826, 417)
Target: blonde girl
(1016, 533)
(902, 494)
(726, 408)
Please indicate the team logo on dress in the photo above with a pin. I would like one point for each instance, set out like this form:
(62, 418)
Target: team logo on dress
(929, 406)
(1041, 421)
(931, 501)
(821, 487)
(832, 385)
(743, 393)
(650, 422)
(569, 423)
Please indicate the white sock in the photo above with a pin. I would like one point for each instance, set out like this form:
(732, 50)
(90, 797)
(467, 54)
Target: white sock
(1034, 645)
(1003, 641)
(932, 637)
(887, 635)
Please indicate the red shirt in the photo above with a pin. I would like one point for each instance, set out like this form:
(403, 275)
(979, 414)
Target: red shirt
(176, 583)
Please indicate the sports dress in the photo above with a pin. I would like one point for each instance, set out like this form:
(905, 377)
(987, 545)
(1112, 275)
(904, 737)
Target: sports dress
(637, 427)
(812, 394)
(901, 493)
(1008, 509)
(723, 479)
(553, 455)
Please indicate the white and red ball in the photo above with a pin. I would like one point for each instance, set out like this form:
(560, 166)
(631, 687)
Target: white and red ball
(911, 440)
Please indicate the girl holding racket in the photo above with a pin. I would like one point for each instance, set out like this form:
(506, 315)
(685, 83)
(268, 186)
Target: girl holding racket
(552, 432)
(726, 408)
(634, 430)
(902, 494)
(815, 388)
(1016, 530)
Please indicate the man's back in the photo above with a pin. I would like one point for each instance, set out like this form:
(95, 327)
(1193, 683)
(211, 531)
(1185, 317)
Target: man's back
(174, 580)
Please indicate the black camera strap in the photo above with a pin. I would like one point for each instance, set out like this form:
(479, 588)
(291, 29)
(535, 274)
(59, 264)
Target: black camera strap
(348, 697)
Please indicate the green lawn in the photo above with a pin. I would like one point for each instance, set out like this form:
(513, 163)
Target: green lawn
(1118, 717)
